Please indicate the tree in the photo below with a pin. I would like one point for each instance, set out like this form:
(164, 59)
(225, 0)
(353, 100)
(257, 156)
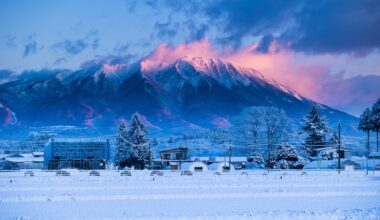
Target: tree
(277, 126)
(138, 139)
(123, 147)
(315, 127)
(287, 157)
(253, 121)
(375, 120)
(365, 124)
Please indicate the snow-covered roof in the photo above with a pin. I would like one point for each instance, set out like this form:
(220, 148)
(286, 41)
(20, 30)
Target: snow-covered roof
(174, 150)
(323, 164)
(219, 166)
(25, 159)
(27, 155)
(233, 159)
(38, 154)
(188, 165)
(200, 158)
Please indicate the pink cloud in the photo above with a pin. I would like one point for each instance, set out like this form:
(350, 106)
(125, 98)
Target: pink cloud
(165, 54)
(220, 121)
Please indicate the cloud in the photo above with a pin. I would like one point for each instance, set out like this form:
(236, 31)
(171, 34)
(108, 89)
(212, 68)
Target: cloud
(10, 41)
(325, 26)
(166, 30)
(197, 31)
(352, 94)
(74, 47)
(165, 54)
(30, 48)
(241, 18)
(330, 26)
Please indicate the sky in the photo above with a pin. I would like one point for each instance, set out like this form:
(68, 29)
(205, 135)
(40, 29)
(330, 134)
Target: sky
(327, 50)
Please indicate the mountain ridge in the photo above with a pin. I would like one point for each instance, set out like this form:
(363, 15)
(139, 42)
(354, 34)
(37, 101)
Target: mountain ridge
(189, 93)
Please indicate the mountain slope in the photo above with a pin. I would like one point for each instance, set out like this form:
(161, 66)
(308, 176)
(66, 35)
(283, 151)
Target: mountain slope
(190, 93)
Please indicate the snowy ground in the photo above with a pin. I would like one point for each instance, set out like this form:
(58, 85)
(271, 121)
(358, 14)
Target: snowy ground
(317, 195)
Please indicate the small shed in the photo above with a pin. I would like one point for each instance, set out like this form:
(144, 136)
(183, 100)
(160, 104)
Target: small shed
(194, 166)
(221, 167)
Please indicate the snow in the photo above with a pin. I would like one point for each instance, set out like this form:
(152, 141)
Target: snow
(233, 159)
(277, 195)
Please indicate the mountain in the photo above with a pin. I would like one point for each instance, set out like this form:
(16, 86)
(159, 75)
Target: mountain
(188, 94)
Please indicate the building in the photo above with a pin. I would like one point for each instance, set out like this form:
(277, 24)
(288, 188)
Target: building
(194, 166)
(172, 158)
(87, 154)
(27, 160)
(221, 167)
(238, 162)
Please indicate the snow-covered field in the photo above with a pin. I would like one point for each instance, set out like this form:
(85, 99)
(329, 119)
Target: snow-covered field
(277, 195)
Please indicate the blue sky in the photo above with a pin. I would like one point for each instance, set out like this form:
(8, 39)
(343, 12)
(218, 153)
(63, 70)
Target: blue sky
(329, 46)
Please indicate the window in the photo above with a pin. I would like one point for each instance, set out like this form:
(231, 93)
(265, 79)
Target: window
(198, 168)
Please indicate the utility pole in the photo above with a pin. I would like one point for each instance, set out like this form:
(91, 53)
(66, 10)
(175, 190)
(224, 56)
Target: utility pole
(180, 155)
(339, 147)
(229, 159)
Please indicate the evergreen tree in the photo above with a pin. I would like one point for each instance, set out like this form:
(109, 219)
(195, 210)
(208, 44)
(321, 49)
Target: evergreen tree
(123, 147)
(375, 120)
(316, 127)
(365, 124)
(138, 139)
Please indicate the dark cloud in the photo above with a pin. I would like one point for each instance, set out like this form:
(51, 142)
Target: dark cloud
(10, 41)
(121, 49)
(241, 18)
(60, 61)
(30, 48)
(166, 30)
(333, 26)
(73, 47)
(323, 26)
(196, 32)
(264, 44)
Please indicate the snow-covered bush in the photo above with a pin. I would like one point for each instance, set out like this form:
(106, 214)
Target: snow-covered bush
(286, 152)
(256, 158)
(328, 154)
(287, 157)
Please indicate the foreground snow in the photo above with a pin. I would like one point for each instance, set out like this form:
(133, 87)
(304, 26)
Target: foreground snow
(278, 195)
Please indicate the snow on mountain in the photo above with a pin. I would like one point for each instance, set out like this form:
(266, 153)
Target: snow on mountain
(190, 91)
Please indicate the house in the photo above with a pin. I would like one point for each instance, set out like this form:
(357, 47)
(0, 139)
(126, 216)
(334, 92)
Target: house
(194, 166)
(26, 160)
(238, 162)
(8, 165)
(221, 167)
(76, 153)
(172, 158)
